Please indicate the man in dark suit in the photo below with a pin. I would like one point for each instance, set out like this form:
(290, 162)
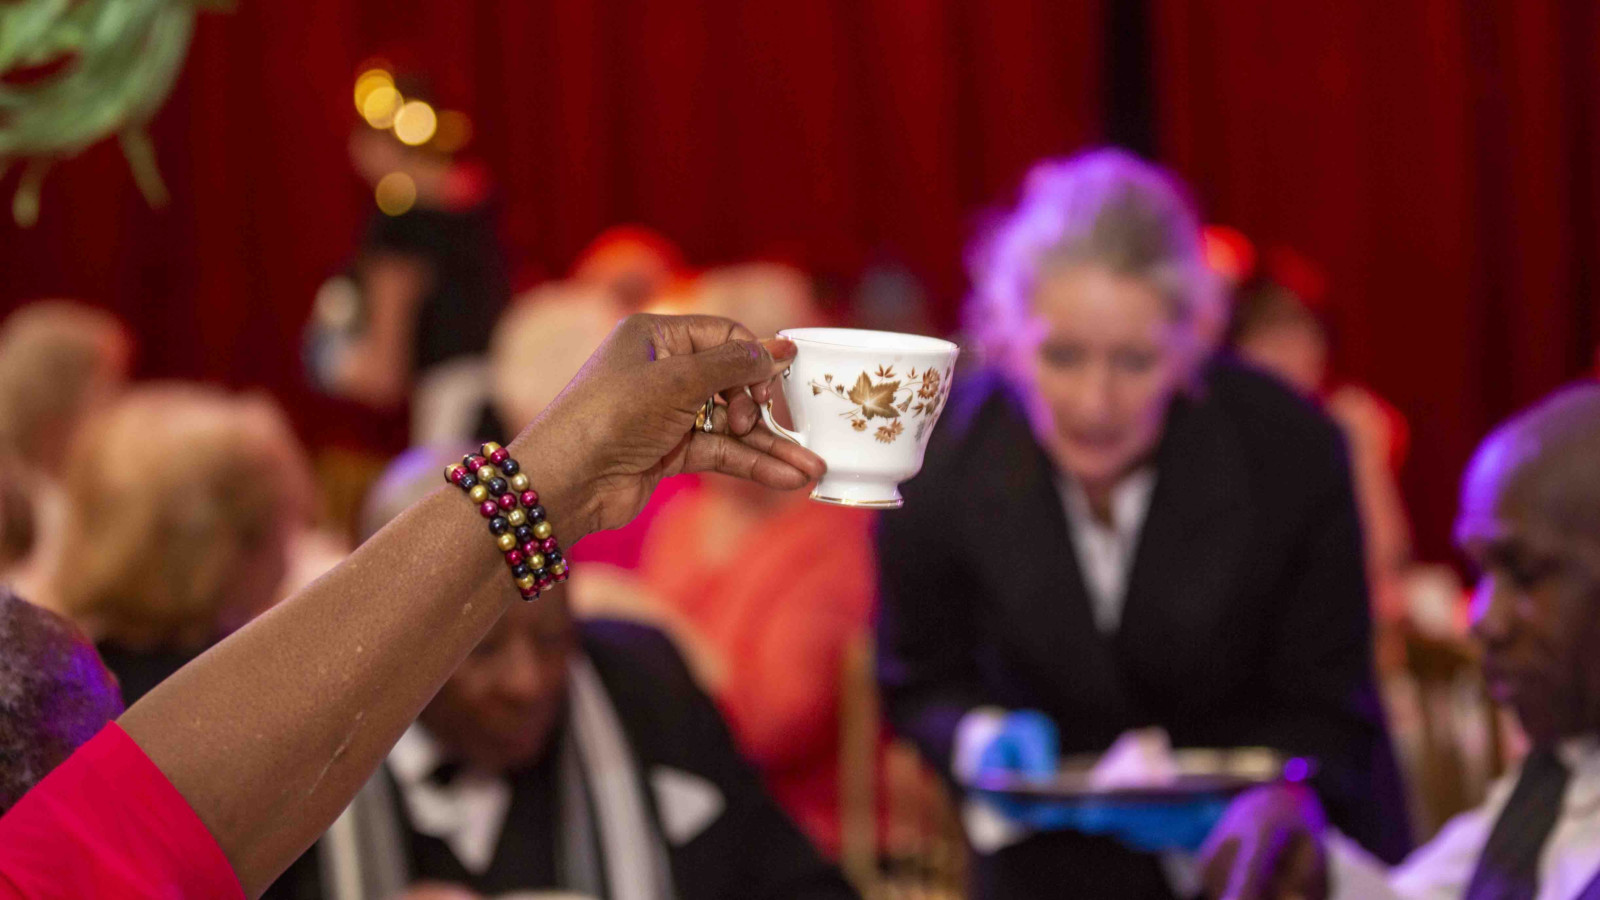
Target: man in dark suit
(573, 757)
(564, 755)
(1243, 620)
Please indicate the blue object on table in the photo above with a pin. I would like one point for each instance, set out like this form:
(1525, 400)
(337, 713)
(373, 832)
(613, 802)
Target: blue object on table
(1027, 744)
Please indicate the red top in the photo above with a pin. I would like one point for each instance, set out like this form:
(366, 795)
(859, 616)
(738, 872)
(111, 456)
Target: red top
(107, 823)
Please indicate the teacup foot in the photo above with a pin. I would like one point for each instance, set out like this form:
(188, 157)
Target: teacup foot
(825, 494)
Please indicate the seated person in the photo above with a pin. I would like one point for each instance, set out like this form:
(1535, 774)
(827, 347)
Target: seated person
(54, 694)
(181, 501)
(1530, 522)
(566, 755)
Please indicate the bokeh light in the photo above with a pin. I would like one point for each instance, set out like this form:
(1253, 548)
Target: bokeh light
(380, 106)
(415, 123)
(454, 132)
(366, 83)
(395, 193)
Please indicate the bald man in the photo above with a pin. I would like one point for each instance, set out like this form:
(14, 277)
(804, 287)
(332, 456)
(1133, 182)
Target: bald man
(1530, 523)
(54, 694)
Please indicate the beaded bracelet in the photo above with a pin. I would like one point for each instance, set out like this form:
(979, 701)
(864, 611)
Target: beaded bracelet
(496, 483)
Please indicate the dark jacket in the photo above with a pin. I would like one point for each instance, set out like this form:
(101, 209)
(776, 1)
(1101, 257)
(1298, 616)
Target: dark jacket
(752, 850)
(749, 850)
(1246, 618)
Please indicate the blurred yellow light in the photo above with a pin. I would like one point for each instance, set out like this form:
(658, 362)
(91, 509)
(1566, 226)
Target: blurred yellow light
(380, 106)
(367, 82)
(415, 123)
(395, 193)
(455, 131)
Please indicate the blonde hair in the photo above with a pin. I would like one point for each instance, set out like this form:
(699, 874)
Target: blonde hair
(541, 342)
(170, 494)
(51, 354)
(1104, 208)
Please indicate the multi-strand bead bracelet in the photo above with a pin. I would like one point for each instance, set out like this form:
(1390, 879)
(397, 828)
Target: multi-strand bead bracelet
(495, 482)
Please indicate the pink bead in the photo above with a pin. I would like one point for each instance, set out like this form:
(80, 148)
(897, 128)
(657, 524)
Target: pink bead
(544, 583)
(514, 557)
(475, 463)
(507, 502)
(563, 576)
(488, 509)
(548, 544)
(457, 473)
(530, 548)
(529, 593)
(499, 456)
(529, 499)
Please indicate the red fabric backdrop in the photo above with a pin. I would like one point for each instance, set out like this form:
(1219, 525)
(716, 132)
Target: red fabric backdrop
(1439, 158)
(826, 131)
(1439, 163)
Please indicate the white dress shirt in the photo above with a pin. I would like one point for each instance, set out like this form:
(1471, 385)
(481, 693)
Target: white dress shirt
(1105, 551)
(1442, 869)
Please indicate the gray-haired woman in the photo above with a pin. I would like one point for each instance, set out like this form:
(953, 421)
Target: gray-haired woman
(1113, 533)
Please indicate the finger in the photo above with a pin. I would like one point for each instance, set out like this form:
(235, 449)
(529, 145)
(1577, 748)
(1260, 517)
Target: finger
(743, 414)
(786, 451)
(1216, 864)
(1245, 879)
(731, 456)
(727, 366)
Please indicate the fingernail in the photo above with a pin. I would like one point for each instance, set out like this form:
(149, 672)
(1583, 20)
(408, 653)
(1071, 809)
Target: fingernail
(780, 348)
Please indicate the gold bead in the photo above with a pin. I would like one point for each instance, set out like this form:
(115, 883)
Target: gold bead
(487, 450)
(517, 517)
(542, 530)
(479, 493)
(519, 482)
(526, 581)
(558, 569)
(507, 542)
(486, 472)
(536, 561)
(450, 472)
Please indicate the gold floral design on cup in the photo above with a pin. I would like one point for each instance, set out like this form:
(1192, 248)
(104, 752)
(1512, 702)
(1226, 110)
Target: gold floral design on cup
(917, 397)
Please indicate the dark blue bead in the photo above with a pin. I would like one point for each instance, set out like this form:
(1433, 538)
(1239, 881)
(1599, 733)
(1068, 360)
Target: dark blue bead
(509, 467)
(468, 481)
(553, 557)
(539, 574)
(498, 486)
(536, 515)
(520, 569)
(499, 525)
(524, 534)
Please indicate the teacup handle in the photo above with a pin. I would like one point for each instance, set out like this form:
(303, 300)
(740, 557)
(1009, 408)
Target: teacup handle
(779, 430)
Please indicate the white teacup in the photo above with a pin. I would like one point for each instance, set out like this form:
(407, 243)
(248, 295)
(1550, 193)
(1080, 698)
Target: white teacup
(864, 401)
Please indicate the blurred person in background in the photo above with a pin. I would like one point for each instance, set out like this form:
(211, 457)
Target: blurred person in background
(1280, 324)
(409, 324)
(634, 263)
(1110, 535)
(564, 754)
(768, 591)
(1529, 522)
(54, 694)
(60, 364)
(180, 504)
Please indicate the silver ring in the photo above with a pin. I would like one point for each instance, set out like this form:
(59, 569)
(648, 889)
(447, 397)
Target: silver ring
(703, 421)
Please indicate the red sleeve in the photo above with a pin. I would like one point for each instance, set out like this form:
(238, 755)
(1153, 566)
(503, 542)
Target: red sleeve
(107, 823)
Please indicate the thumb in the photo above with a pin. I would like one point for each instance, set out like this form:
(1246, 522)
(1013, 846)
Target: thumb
(734, 364)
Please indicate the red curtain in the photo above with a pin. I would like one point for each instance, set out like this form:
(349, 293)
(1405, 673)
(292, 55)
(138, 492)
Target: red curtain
(829, 132)
(1439, 159)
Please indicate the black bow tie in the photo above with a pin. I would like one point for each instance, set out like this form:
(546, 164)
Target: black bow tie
(445, 773)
